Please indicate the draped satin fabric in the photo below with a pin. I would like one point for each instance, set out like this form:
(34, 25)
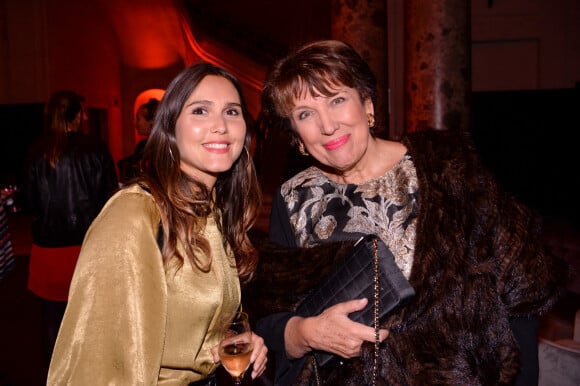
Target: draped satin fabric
(132, 321)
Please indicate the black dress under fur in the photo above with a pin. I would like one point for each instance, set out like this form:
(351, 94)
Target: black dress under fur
(478, 264)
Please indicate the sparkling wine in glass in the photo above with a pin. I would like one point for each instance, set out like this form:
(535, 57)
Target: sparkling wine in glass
(235, 348)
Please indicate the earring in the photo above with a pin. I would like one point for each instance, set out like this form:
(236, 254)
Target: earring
(247, 153)
(302, 149)
(371, 120)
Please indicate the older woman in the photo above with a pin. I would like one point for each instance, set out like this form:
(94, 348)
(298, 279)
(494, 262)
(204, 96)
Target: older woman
(469, 249)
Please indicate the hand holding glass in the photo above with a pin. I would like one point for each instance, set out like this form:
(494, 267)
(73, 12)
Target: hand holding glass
(235, 348)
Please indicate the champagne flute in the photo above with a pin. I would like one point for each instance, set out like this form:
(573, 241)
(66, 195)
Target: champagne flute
(235, 348)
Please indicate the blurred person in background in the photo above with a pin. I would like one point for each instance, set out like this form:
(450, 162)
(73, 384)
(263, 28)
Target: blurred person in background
(68, 178)
(130, 167)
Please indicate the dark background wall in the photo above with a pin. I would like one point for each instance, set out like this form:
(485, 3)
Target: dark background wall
(21, 124)
(525, 67)
(528, 138)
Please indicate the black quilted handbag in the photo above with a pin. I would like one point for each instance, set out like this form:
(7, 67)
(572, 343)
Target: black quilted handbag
(368, 270)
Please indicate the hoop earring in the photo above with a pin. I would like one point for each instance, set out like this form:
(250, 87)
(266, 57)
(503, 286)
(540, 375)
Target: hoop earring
(371, 120)
(171, 154)
(302, 149)
(247, 153)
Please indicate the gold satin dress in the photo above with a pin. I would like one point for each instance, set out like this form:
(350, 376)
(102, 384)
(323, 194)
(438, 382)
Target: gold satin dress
(129, 321)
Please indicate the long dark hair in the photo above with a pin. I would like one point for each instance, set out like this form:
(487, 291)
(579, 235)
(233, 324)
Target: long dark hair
(61, 110)
(185, 203)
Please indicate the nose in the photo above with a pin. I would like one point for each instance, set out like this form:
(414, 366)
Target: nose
(327, 124)
(219, 126)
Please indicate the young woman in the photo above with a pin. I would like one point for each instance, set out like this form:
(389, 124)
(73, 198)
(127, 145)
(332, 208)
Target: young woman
(160, 267)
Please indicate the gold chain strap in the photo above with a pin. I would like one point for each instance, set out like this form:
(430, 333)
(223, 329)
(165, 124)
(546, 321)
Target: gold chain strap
(316, 374)
(376, 304)
(376, 310)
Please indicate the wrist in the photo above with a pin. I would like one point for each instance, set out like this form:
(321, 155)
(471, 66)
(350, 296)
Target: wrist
(295, 338)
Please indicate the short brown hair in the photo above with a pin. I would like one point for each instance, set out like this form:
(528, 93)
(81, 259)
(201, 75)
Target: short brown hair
(316, 67)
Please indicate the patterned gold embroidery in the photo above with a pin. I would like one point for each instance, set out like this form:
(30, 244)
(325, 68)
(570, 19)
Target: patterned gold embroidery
(323, 210)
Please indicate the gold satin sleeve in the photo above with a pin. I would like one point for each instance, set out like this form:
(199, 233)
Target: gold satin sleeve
(112, 332)
(130, 321)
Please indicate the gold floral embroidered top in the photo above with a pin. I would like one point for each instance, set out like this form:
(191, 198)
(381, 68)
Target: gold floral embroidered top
(321, 209)
(129, 320)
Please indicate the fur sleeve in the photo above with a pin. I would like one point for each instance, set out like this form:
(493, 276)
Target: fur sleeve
(285, 275)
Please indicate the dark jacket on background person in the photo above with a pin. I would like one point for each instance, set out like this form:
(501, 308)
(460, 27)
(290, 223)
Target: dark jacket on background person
(476, 250)
(65, 200)
(130, 166)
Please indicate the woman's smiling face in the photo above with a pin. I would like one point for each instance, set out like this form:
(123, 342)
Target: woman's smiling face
(334, 128)
(210, 130)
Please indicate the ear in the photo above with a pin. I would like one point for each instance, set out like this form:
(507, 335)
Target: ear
(295, 138)
(369, 106)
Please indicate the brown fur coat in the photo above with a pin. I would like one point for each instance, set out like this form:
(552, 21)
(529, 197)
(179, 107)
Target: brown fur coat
(478, 262)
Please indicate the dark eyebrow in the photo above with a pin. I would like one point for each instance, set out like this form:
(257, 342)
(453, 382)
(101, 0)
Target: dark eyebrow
(202, 101)
(208, 102)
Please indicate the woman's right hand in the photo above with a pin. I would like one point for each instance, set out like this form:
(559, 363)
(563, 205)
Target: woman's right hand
(332, 331)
